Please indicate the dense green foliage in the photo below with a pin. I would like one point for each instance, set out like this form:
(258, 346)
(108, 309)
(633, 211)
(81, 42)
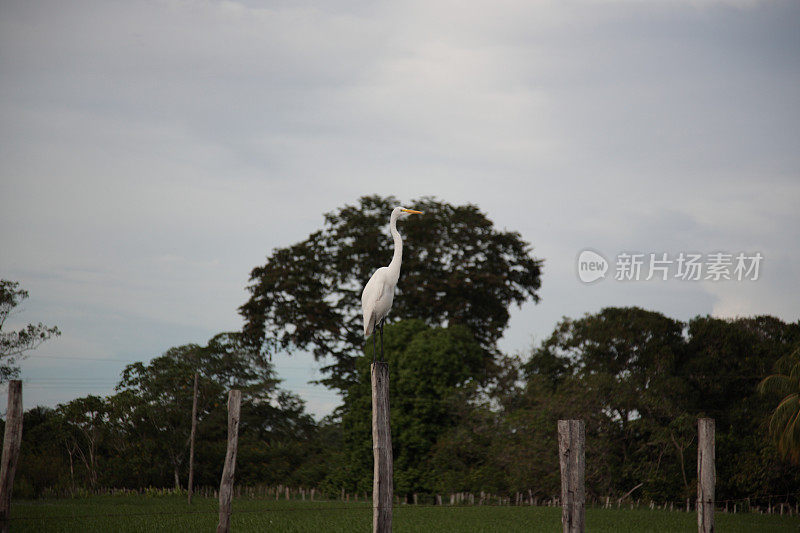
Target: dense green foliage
(457, 269)
(14, 344)
(784, 424)
(139, 436)
(128, 514)
(432, 370)
(640, 380)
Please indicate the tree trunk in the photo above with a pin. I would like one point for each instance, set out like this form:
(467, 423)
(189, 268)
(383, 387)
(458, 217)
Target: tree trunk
(190, 484)
(71, 470)
(679, 451)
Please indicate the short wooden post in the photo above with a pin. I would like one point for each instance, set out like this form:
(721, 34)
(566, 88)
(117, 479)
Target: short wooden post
(382, 450)
(11, 444)
(191, 440)
(226, 483)
(706, 475)
(571, 439)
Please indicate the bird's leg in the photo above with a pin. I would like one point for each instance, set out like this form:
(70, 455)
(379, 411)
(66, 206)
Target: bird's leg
(382, 341)
(374, 347)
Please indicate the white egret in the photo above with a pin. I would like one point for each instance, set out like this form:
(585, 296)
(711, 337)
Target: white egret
(376, 300)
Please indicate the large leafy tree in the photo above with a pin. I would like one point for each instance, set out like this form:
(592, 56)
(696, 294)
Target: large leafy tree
(627, 361)
(83, 424)
(154, 400)
(433, 370)
(627, 356)
(14, 344)
(458, 268)
(728, 359)
(153, 405)
(42, 464)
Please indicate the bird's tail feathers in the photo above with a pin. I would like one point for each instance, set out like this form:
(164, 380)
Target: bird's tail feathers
(369, 326)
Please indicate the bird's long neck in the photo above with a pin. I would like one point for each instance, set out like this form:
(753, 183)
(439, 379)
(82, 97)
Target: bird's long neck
(397, 258)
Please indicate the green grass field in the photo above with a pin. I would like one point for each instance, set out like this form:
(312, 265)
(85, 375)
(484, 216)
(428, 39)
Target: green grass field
(122, 514)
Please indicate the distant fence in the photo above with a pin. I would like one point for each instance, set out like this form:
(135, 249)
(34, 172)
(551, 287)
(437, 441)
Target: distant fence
(759, 503)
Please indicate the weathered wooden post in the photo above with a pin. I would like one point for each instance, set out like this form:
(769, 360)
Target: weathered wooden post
(706, 475)
(571, 439)
(11, 443)
(191, 439)
(381, 450)
(226, 483)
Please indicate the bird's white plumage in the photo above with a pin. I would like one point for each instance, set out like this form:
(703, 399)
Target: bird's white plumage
(376, 300)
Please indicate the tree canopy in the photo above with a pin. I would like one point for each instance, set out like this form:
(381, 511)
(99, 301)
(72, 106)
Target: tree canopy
(138, 437)
(154, 400)
(784, 424)
(641, 379)
(14, 344)
(458, 268)
(432, 370)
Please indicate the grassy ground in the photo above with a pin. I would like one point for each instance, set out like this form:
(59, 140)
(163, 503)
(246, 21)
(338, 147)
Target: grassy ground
(123, 514)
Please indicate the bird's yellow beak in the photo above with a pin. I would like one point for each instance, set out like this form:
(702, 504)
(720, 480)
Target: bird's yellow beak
(412, 211)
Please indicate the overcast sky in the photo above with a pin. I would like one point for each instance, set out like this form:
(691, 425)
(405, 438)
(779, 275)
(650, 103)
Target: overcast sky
(153, 153)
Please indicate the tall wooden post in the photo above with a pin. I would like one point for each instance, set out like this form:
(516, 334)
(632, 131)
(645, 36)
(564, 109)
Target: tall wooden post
(571, 439)
(706, 475)
(382, 450)
(11, 444)
(226, 483)
(191, 440)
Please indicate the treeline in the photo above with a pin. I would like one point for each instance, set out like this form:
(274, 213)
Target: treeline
(463, 418)
(463, 422)
(139, 437)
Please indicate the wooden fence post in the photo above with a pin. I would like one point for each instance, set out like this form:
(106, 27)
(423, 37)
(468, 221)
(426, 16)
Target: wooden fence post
(226, 483)
(571, 439)
(706, 475)
(11, 443)
(382, 450)
(191, 440)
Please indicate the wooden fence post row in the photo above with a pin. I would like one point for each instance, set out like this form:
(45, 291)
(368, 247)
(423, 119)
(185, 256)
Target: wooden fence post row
(11, 443)
(571, 442)
(571, 458)
(226, 483)
(382, 450)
